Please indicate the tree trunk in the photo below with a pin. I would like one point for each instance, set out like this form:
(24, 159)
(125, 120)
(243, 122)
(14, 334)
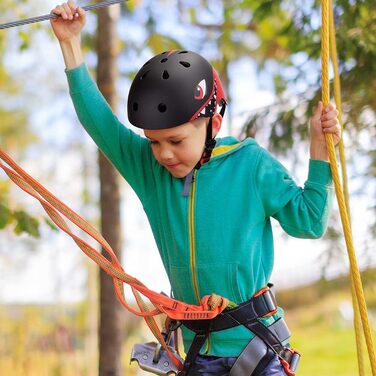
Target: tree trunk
(110, 338)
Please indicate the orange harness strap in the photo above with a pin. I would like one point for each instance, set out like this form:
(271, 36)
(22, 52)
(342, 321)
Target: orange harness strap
(209, 308)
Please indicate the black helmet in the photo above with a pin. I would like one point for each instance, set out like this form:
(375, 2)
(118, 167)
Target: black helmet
(174, 88)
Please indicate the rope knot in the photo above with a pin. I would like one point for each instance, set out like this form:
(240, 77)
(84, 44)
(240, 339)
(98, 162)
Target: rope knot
(214, 302)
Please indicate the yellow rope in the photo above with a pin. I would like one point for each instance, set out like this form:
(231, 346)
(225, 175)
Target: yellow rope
(356, 280)
(342, 157)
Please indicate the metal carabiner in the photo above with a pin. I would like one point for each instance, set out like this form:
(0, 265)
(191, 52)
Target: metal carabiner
(152, 357)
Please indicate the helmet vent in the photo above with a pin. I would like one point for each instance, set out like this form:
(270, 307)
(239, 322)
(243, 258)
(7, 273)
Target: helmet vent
(162, 107)
(165, 75)
(135, 106)
(164, 60)
(185, 64)
(144, 75)
(182, 52)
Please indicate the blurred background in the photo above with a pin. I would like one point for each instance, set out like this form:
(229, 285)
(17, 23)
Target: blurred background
(268, 56)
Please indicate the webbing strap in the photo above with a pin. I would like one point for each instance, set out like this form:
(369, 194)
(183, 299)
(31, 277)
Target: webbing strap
(250, 358)
(262, 304)
(210, 306)
(256, 350)
(198, 342)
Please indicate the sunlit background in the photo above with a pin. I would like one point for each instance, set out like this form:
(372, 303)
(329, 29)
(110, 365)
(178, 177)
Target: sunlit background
(46, 318)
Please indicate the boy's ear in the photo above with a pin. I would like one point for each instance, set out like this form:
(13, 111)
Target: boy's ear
(216, 124)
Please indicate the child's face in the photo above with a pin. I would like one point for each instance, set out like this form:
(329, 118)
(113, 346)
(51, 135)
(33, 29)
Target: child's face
(179, 149)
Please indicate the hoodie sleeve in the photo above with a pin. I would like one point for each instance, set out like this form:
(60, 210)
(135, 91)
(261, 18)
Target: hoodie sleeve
(129, 153)
(302, 212)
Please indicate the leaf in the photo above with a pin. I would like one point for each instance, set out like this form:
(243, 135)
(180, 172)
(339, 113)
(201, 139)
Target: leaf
(5, 216)
(26, 223)
(25, 40)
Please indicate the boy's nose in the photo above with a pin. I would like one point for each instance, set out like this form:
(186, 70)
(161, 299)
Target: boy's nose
(166, 155)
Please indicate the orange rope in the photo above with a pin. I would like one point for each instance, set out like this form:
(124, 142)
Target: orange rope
(209, 308)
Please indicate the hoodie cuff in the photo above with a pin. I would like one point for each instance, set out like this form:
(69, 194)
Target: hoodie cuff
(78, 78)
(319, 172)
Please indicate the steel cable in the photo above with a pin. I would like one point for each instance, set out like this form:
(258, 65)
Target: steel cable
(50, 16)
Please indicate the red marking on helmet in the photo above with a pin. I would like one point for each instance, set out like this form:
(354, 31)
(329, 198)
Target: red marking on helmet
(200, 90)
(206, 102)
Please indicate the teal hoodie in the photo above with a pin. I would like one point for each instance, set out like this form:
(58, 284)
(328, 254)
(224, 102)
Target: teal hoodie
(219, 238)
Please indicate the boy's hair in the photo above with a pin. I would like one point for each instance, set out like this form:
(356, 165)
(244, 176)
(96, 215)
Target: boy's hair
(173, 88)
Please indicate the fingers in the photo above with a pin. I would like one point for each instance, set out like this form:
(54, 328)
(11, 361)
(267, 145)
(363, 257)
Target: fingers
(318, 110)
(330, 117)
(80, 13)
(332, 130)
(329, 121)
(68, 11)
(330, 107)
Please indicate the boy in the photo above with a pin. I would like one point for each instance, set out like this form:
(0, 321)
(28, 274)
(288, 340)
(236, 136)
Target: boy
(208, 201)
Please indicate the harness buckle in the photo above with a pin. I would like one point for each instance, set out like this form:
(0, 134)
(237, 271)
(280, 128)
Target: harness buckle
(265, 302)
(290, 360)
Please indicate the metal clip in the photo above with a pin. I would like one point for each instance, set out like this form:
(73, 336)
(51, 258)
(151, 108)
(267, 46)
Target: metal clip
(292, 357)
(153, 358)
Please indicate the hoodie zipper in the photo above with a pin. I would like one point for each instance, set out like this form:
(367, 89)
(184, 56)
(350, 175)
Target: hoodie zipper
(192, 248)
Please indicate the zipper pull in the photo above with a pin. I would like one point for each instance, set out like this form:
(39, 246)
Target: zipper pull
(189, 179)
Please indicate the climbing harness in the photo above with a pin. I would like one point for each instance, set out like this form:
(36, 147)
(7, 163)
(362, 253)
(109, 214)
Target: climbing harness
(267, 343)
(51, 16)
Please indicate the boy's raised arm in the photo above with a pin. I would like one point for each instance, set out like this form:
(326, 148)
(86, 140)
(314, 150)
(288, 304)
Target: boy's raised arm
(128, 152)
(67, 29)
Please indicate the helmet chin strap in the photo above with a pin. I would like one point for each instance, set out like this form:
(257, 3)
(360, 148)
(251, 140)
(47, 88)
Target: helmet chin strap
(210, 143)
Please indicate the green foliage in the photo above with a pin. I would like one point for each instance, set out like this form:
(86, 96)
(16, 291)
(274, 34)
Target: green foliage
(5, 216)
(14, 128)
(26, 223)
(22, 221)
(299, 33)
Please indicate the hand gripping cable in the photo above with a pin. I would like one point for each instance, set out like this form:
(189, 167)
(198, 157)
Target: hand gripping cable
(50, 16)
(209, 308)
